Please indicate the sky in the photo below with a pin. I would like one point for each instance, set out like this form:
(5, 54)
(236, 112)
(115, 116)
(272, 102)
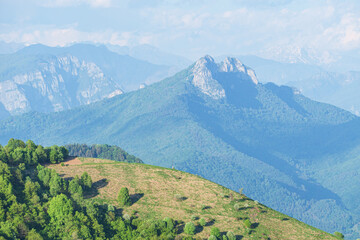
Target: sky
(191, 28)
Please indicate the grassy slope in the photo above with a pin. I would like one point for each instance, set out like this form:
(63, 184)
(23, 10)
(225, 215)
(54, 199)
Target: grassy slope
(156, 187)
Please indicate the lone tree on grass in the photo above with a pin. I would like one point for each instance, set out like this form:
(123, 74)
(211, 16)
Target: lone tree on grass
(123, 197)
(190, 228)
(86, 181)
(339, 235)
(215, 232)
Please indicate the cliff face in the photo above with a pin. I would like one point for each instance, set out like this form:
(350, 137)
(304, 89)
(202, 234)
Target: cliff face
(59, 84)
(47, 79)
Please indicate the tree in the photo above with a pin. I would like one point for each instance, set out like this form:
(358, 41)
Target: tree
(86, 181)
(215, 232)
(55, 184)
(212, 237)
(339, 235)
(230, 235)
(190, 228)
(123, 197)
(33, 235)
(75, 188)
(202, 222)
(247, 223)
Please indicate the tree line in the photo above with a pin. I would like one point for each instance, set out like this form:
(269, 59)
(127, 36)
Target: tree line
(101, 151)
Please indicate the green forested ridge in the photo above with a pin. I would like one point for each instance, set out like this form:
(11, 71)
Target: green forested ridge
(278, 145)
(101, 151)
(36, 203)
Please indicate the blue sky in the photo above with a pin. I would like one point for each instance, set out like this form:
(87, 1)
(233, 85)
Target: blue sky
(191, 28)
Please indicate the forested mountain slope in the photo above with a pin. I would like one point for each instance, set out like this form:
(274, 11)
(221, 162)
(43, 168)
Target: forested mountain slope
(218, 121)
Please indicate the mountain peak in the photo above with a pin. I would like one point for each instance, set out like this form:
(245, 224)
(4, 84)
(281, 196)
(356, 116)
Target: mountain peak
(205, 72)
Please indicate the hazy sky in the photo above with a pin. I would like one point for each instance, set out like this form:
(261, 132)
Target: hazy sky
(191, 28)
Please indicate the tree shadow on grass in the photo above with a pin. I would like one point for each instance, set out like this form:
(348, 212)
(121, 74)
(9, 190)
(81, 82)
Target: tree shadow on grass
(94, 191)
(210, 223)
(136, 197)
(199, 229)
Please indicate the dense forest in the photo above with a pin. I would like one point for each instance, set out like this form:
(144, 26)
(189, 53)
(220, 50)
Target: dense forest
(101, 151)
(36, 203)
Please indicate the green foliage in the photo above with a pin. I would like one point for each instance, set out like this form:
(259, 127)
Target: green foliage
(247, 223)
(101, 151)
(202, 222)
(170, 224)
(190, 228)
(230, 235)
(339, 235)
(75, 188)
(86, 181)
(215, 232)
(123, 197)
(212, 237)
(237, 207)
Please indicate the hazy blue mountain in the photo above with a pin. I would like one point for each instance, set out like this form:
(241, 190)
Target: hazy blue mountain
(45, 79)
(216, 120)
(9, 47)
(339, 88)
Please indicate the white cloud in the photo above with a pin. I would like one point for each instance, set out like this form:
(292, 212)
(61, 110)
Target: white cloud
(72, 3)
(66, 36)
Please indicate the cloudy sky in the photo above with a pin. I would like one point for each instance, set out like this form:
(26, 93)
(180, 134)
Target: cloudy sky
(190, 28)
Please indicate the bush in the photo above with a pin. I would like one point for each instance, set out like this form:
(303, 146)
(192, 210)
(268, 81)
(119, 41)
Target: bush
(194, 218)
(247, 223)
(190, 228)
(216, 232)
(225, 237)
(212, 237)
(123, 197)
(339, 235)
(169, 223)
(237, 207)
(230, 235)
(179, 197)
(202, 222)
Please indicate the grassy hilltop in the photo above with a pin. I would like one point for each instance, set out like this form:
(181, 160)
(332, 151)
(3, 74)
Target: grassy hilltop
(159, 192)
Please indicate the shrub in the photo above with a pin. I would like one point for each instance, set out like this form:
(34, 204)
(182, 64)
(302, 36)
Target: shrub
(339, 235)
(212, 237)
(225, 237)
(179, 197)
(230, 235)
(62, 164)
(126, 217)
(123, 197)
(190, 228)
(193, 217)
(202, 222)
(247, 223)
(216, 232)
(169, 223)
(237, 207)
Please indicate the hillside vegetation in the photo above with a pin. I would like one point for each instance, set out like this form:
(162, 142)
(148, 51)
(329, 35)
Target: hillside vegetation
(90, 200)
(158, 193)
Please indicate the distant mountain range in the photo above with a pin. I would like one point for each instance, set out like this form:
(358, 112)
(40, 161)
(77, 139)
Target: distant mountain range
(46, 79)
(335, 86)
(218, 121)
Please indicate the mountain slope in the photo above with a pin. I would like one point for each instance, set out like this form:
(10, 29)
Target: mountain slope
(335, 86)
(218, 121)
(156, 192)
(46, 79)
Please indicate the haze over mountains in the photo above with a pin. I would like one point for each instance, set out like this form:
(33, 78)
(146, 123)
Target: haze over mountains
(218, 121)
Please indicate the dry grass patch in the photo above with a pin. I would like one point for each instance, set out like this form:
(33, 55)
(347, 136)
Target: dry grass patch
(157, 187)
